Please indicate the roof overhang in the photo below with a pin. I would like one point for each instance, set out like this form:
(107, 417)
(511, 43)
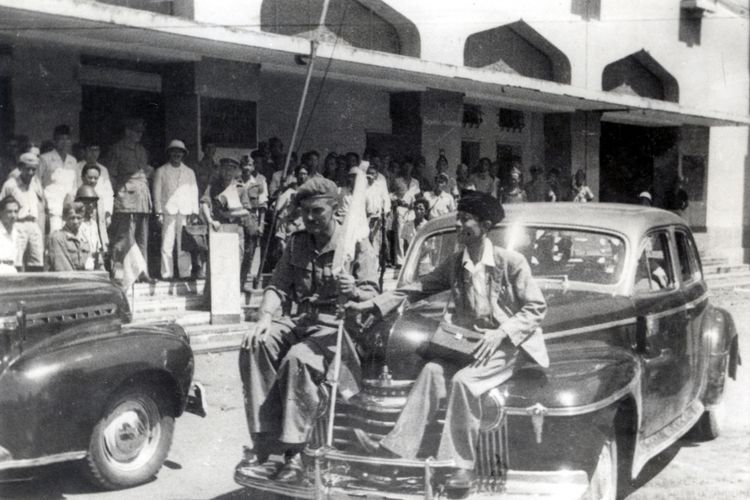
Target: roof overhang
(118, 31)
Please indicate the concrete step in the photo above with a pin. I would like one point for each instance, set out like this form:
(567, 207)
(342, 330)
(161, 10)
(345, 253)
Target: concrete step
(741, 278)
(167, 304)
(167, 288)
(184, 318)
(725, 269)
(215, 338)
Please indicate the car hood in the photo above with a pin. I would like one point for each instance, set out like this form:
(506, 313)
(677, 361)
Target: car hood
(50, 293)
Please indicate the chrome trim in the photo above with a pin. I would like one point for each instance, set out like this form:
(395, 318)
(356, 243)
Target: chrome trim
(46, 460)
(580, 410)
(626, 321)
(590, 328)
(649, 447)
(68, 315)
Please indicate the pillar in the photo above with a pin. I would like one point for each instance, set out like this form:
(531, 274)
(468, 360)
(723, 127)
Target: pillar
(584, 147)
(442, 117)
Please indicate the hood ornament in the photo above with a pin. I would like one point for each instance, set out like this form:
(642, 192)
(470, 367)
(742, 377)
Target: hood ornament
(537, 413)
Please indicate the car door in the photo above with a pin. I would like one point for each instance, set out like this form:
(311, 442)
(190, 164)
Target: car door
(696, 301)
(661, 338)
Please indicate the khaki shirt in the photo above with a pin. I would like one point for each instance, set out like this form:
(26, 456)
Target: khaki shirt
(67, 251)
(305, 273)
(128, 164)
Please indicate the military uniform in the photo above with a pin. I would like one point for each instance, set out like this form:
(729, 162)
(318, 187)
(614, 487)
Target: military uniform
(281, 378)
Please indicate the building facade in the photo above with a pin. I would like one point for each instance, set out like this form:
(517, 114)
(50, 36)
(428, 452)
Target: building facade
(633, 93)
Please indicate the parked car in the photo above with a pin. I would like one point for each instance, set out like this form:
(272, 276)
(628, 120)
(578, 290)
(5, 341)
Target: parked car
(638, 356)
(78, 382)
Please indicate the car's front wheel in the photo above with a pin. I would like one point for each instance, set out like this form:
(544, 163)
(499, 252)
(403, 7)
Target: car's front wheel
(131, 440)
(603, 484)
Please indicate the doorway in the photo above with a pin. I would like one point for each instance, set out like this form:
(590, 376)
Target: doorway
(104, 108)
(470, 154)
(635, 159)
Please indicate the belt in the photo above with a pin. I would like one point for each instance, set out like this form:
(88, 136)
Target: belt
(28, 218)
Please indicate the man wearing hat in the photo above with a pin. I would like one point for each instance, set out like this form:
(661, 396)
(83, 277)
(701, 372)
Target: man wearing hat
(175, 200)
(284, 361)
(27, 191)
(91, 229)
(226, 202)
(129, 171)
(492, 291)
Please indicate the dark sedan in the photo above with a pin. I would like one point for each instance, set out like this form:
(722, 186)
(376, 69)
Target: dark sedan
(638, 357)
(78, 382)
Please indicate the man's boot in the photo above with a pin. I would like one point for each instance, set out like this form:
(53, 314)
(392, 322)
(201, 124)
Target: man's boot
(291, 471)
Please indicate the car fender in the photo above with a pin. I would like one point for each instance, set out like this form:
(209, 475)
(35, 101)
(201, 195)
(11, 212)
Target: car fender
(53, 394)
(720, 342)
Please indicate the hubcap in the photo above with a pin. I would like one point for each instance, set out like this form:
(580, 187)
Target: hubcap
(132, 433)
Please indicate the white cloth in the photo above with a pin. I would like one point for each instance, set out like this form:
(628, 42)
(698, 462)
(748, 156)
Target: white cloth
(29, 197)
(8, 249)
(59, 178)
(171, 236)
(260, 181)
(175, 190)
(441, 204)
(89, 231)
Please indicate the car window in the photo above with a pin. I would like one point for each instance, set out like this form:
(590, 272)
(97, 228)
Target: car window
(690, 267)
(654, 272)
(567, 254)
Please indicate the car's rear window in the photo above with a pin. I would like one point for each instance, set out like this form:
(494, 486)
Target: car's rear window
(570, 255)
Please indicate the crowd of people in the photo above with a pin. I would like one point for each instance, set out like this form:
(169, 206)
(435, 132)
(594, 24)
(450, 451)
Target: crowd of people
(61, 213)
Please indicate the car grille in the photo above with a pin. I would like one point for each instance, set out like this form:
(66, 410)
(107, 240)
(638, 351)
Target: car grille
(377, 420)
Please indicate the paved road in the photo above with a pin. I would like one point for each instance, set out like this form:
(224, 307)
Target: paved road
(204, 453)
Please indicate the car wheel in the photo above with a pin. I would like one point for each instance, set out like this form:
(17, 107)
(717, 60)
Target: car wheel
(130, 442)
(603, 484)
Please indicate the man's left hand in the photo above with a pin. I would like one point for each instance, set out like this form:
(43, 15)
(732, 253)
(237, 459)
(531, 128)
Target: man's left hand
(486, 347)
(347, 285)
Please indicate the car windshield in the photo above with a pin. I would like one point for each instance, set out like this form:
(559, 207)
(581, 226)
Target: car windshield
(563, 254)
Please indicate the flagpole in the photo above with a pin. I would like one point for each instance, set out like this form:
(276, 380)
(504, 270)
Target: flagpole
(308, 76)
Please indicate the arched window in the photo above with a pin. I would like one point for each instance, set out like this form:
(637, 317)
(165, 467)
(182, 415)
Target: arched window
(640, 74)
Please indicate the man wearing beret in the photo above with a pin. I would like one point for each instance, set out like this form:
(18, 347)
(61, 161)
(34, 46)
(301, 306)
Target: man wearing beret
(492, 291)
(284, 361)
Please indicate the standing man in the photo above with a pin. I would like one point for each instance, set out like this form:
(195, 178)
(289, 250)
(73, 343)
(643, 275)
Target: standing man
(175, 199)
(440, 200)
(26, 189)
(102, 184)
(256, 188)
(8, 234)
(128, 165)
(283, 362)
(58, 172)
(492, 291)
(208, 165)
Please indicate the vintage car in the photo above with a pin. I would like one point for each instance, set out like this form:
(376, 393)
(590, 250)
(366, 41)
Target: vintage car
(78, 382)
(638, 357)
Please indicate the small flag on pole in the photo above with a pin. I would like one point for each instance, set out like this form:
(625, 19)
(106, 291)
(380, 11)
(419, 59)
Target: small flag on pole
(128, 262)
(354, 228)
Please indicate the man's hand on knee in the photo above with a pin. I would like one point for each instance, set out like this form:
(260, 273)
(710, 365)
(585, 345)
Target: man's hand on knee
(257, 335)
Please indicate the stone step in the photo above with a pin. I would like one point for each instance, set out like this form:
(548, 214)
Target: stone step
(184, 318)
(725, 269)
(167, 288)
(167, 304)
(215, 338)
(728, 279)
(714, 261)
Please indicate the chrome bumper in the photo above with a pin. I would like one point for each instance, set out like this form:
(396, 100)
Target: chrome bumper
(567, 485)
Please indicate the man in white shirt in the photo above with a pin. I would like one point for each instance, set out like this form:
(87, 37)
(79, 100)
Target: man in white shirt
(175, 198)
(8, 234)
(27, 191)
(58, 172)
(441, 202)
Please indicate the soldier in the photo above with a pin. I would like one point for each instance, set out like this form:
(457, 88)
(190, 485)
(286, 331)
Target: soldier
(492, 291)
(284, 361)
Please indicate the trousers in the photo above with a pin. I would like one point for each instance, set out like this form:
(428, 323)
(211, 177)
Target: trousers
(171, 237)
(281, 382)
(463, 388)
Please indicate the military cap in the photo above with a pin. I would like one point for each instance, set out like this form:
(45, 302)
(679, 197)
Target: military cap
(481, 205)
(29, 159)
(229, 162)
(316, 187)
(86, 193)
